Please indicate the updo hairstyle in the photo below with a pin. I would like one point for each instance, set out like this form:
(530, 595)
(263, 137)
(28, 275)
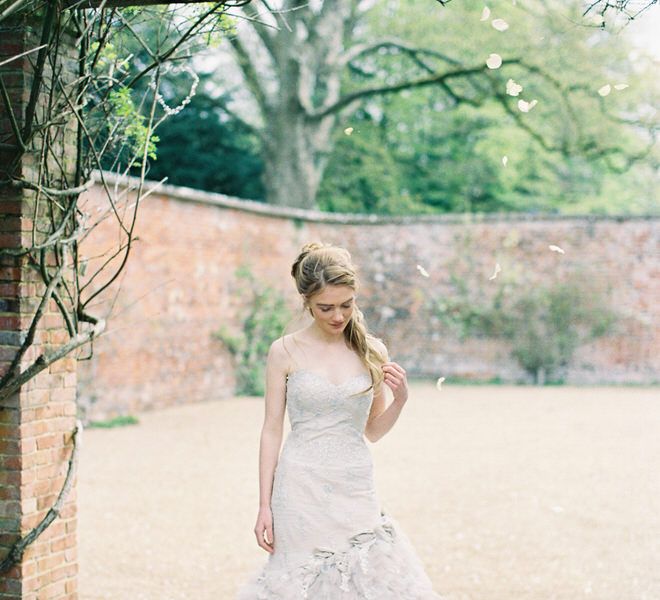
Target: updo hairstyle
(319, 265)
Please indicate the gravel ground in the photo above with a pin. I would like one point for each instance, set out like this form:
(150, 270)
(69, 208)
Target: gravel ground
(508, 493)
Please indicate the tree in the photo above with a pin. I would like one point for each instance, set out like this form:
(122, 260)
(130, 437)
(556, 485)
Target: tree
(295, 61)
(77, 120)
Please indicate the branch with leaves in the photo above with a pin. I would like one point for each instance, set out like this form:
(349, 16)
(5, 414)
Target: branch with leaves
(111, 108)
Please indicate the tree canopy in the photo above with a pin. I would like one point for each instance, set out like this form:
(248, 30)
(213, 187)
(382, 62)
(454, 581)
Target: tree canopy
(389, 107)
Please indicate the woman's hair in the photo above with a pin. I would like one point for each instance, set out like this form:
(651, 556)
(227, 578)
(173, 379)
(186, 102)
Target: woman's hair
(320, 265)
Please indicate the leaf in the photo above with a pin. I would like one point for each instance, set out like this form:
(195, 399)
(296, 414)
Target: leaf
(438, 383)
(422, 271)
(485, 13)
(605, 90)
(497, 270)
(348, 130)
(494, 61)
(500, 24)
(526, 106)
(513, 88)
(556, 249)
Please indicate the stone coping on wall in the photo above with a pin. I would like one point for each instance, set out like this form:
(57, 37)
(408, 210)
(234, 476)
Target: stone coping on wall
(187, 194)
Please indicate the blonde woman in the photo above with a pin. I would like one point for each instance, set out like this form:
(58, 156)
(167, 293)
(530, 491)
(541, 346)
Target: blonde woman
(319, 516)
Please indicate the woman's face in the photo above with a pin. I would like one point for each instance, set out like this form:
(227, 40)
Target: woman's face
(332, 307)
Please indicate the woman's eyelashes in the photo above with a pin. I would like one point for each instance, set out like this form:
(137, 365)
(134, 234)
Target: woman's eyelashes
(344, 306)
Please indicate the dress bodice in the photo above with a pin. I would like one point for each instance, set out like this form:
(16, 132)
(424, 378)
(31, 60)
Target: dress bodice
(327, 420)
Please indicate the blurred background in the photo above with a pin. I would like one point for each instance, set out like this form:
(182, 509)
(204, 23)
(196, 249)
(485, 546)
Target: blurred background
(493, 171)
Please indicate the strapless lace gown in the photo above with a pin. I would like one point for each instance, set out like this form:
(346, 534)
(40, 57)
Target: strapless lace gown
(332, 540)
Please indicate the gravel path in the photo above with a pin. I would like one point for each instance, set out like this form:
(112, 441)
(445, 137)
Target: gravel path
(508, 493)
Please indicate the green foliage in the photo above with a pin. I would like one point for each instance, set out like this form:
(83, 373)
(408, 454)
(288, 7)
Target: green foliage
(545, 324)
(119, 421)
(444, 156)
(263, 320)
(220, 155)
(129, 123)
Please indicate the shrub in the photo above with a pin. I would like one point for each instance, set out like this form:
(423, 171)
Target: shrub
(263, 320)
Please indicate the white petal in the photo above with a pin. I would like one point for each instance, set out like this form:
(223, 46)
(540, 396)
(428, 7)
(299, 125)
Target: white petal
(422, 271)
(621, 86)
(556, 249)
(485, 13)
(500, 24)
(497, 270)
(526, 106)
(348, 130)
(605, 90)
(513, 88)
(494, 61)
(505, 160)
(438, 383)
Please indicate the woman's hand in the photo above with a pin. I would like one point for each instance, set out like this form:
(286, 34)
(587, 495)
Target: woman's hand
(395, 378)
(265, 525)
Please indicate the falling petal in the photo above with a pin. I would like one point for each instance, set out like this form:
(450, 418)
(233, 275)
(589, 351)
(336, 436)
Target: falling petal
(494, 61)
(348, 130)
(526, 106)
(500, 24)
(605, 90)
(497, 270)
(621, 86)
(422, 271)
(438, 383)
(513, 88)
(556, 249)
(558, 509)
(505, 160)
(485, 13)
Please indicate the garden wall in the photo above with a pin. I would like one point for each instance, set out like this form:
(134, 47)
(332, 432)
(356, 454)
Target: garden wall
(181, 285)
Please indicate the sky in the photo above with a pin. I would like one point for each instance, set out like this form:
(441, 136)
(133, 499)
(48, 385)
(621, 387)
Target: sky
(645, 32)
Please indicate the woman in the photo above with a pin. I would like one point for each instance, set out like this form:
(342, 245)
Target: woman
(319, 517)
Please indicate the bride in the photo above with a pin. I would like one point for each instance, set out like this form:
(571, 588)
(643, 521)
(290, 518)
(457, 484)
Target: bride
(319, 516)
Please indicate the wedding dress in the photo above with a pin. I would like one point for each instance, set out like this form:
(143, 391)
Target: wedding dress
(332, 540)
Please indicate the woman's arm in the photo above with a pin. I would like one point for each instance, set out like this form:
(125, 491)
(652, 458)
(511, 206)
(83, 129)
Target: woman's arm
(271, 439)
(382, 419)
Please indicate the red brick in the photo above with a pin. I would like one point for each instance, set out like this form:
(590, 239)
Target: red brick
(11, 207)
(9, 323)
(10, 585)
(9, 492)
(47, 441)
(10, 240)
(9, 290)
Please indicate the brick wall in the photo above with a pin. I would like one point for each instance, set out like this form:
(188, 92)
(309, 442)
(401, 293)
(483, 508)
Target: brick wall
(181, 285)
(37, 422)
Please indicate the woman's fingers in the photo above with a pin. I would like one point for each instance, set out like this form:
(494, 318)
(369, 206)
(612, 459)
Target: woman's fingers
(394, 368)
(264, 533)
(393, 373)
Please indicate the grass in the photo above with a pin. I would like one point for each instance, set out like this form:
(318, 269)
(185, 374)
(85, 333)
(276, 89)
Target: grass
(119, 421)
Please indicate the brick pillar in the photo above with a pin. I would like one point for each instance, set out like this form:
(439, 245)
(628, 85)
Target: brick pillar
(37, 421)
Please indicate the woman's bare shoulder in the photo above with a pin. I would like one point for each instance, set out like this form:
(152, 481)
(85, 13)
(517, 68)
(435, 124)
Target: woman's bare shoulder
(281, 351)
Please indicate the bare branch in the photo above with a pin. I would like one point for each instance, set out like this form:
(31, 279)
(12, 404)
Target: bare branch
(250, 74)
(360, 50)
(437, 78)
(16, 552)
(45, 360)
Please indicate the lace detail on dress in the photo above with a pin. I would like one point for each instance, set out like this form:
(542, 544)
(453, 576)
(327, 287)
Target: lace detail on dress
(332, 541)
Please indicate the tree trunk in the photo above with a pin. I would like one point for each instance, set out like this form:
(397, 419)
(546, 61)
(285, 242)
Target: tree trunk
(305, 59)
(295, 155)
